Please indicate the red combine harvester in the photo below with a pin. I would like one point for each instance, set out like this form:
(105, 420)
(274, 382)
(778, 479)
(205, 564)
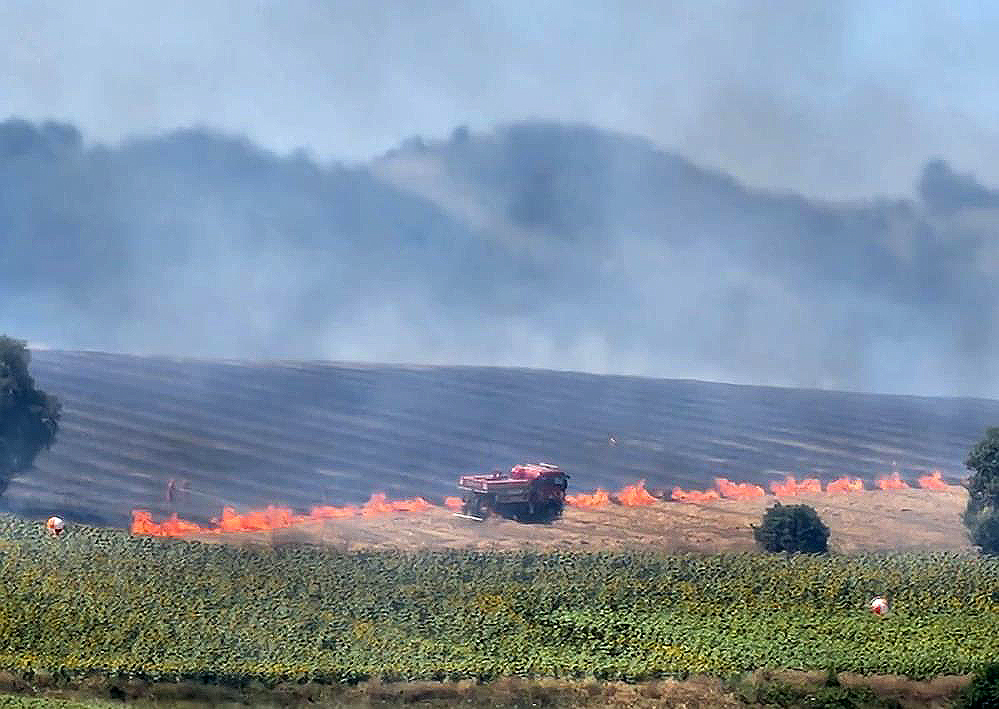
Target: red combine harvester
(532, 492)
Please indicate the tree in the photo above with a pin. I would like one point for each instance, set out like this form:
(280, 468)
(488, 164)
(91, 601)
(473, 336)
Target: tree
(29, 418)
(792, 528)
(983, 692)
(981, 516)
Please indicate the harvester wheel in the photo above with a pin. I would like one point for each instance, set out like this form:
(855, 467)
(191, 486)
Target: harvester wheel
(540, 507)
(476, 506)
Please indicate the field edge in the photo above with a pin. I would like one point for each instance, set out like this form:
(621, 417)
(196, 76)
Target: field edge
(700, 690)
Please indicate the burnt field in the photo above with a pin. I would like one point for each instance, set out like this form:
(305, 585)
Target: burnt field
(872, 521)
(310, 433)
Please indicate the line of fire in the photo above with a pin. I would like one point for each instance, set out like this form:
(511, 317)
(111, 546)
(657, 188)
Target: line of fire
(530, 492)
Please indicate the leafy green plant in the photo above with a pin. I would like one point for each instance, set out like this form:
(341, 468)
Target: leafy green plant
(825, 697)
(792, 528)
(981, 515)
(983, 530)
(983, 692)
(100, 601)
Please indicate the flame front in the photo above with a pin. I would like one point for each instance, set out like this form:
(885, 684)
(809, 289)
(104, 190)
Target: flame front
(274, 517)
(595, 499)
(635, 495)
(933, 481)
(845, 484)
(738, 490)
(790, 487)
(270, 518)
(142, 523)
(378, 505)
(326, 512)
(693, 495)
(892, 482)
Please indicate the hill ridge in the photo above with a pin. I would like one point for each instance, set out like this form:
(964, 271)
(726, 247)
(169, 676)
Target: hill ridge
(418, 366)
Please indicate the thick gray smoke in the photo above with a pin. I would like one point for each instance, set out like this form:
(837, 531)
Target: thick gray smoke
(540, 244)
(830, 99)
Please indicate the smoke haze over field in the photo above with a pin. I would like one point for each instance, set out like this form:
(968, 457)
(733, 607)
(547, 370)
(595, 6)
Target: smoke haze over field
(539, 244)
(748, 192)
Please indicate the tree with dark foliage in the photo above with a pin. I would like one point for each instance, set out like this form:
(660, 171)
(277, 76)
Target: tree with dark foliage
(981, 516)
(29, 418)
(983, 692)
(793, 529)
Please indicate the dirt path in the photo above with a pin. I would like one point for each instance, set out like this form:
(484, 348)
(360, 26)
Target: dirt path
(858, 521)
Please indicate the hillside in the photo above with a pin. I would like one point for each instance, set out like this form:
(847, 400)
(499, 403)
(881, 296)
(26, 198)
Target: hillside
(305, 433)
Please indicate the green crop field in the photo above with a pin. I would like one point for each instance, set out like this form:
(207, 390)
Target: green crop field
(99, 601)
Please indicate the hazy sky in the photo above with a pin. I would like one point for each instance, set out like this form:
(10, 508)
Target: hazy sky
(831, 99)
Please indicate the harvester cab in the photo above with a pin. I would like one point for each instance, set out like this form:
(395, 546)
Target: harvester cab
(530, 492)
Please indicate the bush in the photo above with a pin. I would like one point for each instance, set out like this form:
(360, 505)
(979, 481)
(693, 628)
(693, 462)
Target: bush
(981, 516)
(983, 530)
(792, 528)
(827, 697)
(983, 692)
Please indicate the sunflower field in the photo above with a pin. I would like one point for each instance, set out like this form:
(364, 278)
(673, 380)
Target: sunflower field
(101, 601)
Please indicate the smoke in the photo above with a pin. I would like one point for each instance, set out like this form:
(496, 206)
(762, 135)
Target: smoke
(539, 244)
(944, 191)
(726, 282)
(841, 99)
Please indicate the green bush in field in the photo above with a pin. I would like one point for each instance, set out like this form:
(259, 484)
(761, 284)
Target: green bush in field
(983, 692)
(828, 697)
(983, 530)
(792, 528)
(981, 515)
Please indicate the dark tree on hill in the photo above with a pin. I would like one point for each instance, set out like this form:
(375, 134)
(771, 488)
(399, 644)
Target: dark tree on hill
(793, 529)
(29, 418)
(981, 515)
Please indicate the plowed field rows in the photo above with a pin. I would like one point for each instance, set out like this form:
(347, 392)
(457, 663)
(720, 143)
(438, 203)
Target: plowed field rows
(305, 433)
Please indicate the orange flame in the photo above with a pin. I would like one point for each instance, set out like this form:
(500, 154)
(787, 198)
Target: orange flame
(413, 504)
(270, 518)
(791, 487)
(694, 495)
(892, 482)
(377, 505)
(845, 484)
(635, 495)
(273, 517)
(595, 499)
(933, 481)
(142, 523)
(327, 512)
(738, 490)
(253, 521)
